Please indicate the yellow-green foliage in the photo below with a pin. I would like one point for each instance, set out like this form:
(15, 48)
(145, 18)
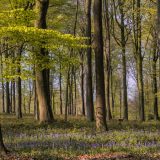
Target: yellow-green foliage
(17, 29)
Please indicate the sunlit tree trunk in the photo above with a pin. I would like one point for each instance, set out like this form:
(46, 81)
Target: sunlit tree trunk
(42, 76)
(100, 87)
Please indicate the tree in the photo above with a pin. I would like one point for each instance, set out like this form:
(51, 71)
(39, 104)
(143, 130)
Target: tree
(3, 149)
(108, 56)
(100, 86)
(89, 91)
(19, 89)
(137, 28)
(42, 76)
(120, 19)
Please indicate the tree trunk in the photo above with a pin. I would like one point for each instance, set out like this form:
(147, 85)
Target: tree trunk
(140, 88)
(60, 90)
(140, 64)
(82, 85)
(42, 76)
(108, 58)
(123, 46)
(75, 94)
(3, 149)
(138, 56)
(89, 90)
(154, 77)
(19, 89)
(2, 84)
(100, 86)
(11, 97)
(7, 98)
(66, 100)
(14, 96)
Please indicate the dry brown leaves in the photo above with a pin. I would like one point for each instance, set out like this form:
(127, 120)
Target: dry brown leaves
(14, 157)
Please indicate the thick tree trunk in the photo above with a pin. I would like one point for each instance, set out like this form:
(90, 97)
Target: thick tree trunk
(42, 76)
(89, 90)
(100, 86)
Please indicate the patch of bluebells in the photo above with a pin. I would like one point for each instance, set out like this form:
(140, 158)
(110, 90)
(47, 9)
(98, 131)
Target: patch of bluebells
(80, 141)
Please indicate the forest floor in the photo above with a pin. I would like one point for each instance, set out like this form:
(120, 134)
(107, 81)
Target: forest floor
(77, 139)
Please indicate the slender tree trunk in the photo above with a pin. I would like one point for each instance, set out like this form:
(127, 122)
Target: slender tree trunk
(36, 105)
(60, 90)
(24, 98)
(108, 59)
(30, 97)
(7, 88)
(120, 100)
(3, 104)
(158, 33)
(100, 86)
(123, 46)
(82, 85)
(89, 90)
(42, 76)
(7, 98)
(75, 94)
(66, 101)
(154, 78)
(14, 96)
(2, 84)
(19, 89)
(138, 56)
(11, 97)
(112, 92)
(140, 64)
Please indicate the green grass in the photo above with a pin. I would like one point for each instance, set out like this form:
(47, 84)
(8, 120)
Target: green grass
(76, 137)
